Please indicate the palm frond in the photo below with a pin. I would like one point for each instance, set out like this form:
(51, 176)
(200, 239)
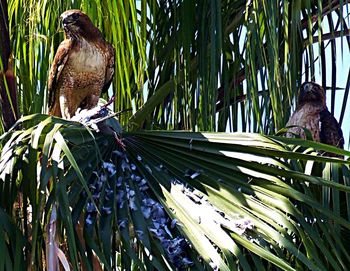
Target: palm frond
(238, 196)
(233, 200)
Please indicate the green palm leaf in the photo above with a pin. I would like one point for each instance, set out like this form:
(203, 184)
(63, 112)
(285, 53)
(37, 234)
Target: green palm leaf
(240, 200)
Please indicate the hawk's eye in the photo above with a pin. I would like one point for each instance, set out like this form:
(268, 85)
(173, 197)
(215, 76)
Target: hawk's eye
(307, 88)
(75, 16)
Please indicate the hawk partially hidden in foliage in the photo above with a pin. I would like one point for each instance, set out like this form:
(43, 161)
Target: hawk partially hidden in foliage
(83, 67)
(312, 113)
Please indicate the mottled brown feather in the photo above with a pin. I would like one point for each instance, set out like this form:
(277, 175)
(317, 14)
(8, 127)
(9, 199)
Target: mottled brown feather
(83, 66)
(331, 132)
(312, 114)
(56, 69)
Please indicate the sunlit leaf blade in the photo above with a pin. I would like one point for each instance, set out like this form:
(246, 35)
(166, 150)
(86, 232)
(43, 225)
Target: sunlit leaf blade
(218, 167)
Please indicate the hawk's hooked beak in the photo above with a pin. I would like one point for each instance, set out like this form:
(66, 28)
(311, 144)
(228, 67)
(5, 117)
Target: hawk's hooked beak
(64, 20)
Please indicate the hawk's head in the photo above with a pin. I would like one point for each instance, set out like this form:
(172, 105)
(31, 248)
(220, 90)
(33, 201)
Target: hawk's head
(77, 24)
(311, 92)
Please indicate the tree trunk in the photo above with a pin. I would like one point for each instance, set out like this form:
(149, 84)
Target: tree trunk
(6, 98)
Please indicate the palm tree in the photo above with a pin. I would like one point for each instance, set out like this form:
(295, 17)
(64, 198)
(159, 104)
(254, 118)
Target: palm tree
(193, 199)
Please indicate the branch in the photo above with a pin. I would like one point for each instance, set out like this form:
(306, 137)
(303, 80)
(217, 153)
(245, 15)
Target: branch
(240, 77)
(330, 36)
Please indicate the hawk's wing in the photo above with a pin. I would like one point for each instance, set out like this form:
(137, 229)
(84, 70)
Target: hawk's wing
(56, 70)
(110, 68)
(331, 132)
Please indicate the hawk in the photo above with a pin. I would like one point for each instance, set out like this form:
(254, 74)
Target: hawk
(83, 66)
(312, 113)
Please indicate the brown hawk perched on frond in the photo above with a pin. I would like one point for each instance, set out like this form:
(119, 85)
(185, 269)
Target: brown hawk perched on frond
(83, 67)
(312, 113)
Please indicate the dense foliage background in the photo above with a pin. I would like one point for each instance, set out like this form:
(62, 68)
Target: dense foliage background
(241, 201)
